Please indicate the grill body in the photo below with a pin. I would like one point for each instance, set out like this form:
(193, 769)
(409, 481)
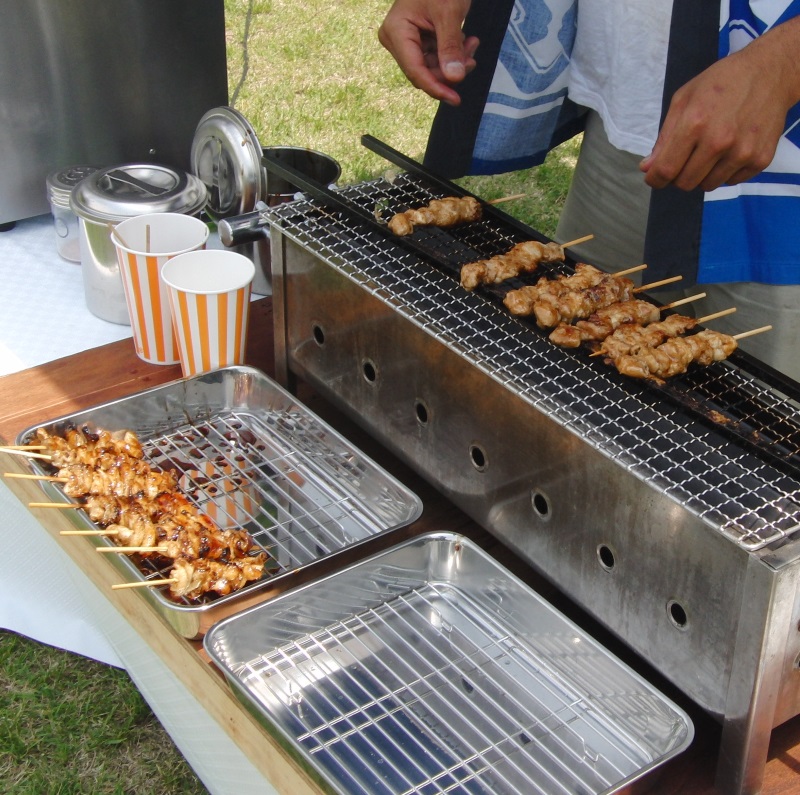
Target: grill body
(671, 534)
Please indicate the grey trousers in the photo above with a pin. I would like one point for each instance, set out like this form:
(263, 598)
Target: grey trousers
(609, 199)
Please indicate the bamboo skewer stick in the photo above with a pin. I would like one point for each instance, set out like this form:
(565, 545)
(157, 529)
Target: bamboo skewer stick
(511, 198)
(634, 269)
(30, 476)
(575, 242)
(682, 301)
(26, 453)
(715, 315)
(89, 533)
(23, 447)
(143, 584)
(661, 283)
(752, 332)
(130, 550)
(54, 505)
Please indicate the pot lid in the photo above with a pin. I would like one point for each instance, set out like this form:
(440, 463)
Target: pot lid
(226, 156)
(60, 183)
(119, 192)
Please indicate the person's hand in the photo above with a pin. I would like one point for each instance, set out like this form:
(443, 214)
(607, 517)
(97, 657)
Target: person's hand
(425, 38)
(723, 127)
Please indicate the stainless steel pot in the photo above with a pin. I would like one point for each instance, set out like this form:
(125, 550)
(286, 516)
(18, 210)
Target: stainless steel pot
(111, 195)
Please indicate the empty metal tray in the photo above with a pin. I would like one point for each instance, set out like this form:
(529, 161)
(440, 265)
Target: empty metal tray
(249, 456)
(429, 668)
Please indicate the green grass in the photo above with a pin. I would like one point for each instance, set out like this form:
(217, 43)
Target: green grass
(316, 77)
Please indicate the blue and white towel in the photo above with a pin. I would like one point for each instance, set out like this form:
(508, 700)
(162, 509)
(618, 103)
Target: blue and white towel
(751, 232)
(515, 109)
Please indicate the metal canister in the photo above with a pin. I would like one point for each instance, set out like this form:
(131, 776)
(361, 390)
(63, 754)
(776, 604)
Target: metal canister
(59, 189)
(111, 195)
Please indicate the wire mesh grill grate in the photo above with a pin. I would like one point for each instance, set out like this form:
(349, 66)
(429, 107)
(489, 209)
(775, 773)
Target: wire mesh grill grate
(721, 441)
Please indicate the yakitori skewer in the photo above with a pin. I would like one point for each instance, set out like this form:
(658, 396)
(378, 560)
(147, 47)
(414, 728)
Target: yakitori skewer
(676, 354)
(624, 314)
(523, 257)
(631, 337)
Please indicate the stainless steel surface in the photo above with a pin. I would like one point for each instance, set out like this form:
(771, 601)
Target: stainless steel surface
(59, 189)
(248, 233)
(430, 668)
(81, 85)
(250, 456)
(675, 534)
(110, 195)
(226, 156)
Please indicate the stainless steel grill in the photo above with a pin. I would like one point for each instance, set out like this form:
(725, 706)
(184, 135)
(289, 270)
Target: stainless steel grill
(751, 498)
(670, 513)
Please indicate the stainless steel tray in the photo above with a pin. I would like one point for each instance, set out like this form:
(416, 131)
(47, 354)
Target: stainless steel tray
(250, 456)
(429, 668)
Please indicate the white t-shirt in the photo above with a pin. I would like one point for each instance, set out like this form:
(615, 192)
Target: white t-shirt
(618, 65)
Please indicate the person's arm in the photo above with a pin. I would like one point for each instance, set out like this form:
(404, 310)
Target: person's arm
(723, 126)
(425, 38)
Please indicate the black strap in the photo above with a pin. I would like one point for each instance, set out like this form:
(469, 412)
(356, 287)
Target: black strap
(454, 130)
(672, 244)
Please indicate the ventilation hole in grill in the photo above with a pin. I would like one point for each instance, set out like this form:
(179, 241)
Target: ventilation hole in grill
(422, 412)
(319, 334)
(370, 371)
(677, 615)
(478, 457)
(606, 557)
(540, 504)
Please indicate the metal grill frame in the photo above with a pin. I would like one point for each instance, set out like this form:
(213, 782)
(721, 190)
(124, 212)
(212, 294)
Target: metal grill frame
(752, 501)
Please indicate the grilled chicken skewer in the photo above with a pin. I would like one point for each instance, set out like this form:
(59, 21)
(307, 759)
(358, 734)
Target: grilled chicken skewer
(636, 312)
(84, 447)
(126, 479)
(522, 258)
(631, 338)
(191, 579)
(445, 212)
(676, 354)
(142, 509)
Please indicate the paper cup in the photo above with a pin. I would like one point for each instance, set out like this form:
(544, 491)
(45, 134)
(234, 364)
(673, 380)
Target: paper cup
(209, 294)
(143, 244)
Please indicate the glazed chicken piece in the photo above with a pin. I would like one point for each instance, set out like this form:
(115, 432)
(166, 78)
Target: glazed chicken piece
(631, 338)
(574, 304)
(676, 354)
(439, 212)
(169, 522)
(124, 480)
(522, 258)
(521, 302)
(78, 447)
(193, 578)
(602, 323)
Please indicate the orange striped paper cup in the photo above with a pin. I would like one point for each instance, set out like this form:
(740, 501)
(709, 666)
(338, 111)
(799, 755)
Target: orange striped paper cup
(209, 295)
(144, 243)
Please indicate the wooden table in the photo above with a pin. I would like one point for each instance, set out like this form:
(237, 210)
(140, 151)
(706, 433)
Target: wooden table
(113, 371)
